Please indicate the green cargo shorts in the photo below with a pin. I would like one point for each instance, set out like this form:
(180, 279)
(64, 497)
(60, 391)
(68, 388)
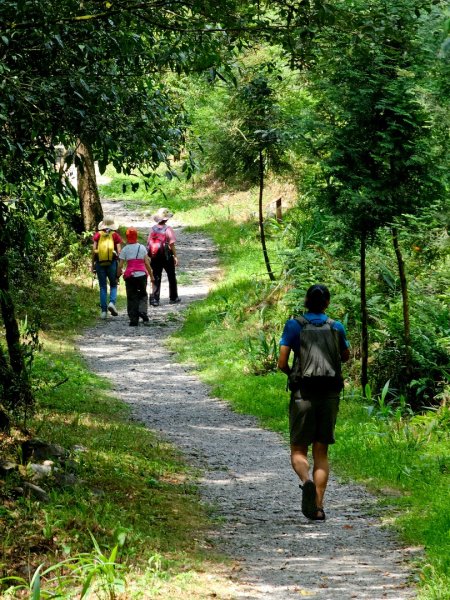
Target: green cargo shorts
(312, 418)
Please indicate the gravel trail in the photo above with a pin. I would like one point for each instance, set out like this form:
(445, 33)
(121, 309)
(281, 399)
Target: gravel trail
(247, 476)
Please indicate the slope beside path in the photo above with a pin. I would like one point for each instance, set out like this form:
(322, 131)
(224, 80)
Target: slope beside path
(246, 473)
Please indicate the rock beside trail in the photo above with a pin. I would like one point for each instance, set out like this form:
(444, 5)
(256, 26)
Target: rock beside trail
(36, 492)
(40, 450)
(54, 468)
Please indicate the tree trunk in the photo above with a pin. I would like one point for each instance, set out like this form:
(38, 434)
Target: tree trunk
(18, 390)
(6, 375)
(4, 420)
(90, 205)
(6, 390)
(261, 217)
(364, 317)
(405, 301)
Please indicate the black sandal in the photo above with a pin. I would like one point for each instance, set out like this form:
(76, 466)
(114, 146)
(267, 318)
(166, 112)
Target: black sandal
(309, 507)
(319, 516)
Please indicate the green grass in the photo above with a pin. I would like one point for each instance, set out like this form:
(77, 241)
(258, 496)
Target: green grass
(124, 480)
(173, 194)
(405, 461)
(409, 460)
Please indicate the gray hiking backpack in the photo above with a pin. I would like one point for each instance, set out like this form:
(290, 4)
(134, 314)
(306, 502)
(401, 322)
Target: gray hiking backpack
(317, 367)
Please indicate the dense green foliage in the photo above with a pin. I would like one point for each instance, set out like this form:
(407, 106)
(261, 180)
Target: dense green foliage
(377, 114)
(376, 134)
(88, 75)
(367, 121)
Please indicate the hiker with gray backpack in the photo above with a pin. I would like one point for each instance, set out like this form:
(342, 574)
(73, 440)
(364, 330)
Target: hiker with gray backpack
(319, 345)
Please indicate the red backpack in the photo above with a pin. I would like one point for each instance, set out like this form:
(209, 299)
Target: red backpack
(157, 242)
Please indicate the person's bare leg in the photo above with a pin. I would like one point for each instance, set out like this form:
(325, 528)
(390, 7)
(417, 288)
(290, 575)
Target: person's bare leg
(299, 461)
(321, 470)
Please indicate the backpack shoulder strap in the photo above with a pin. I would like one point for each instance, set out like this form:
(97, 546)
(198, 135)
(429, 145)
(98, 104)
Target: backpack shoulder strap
(157, 229)
(304, 321)
(301, 320)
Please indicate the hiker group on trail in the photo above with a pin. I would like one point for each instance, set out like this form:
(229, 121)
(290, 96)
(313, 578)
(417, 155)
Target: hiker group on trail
(319, 345)
(137, 263)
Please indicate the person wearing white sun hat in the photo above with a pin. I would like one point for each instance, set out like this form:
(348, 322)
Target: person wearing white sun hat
(106, 247)
(163, 256)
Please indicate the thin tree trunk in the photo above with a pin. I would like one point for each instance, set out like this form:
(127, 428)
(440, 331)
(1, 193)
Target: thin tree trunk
(405, 301)
(5, 389)
(261, 218)
(19, 385)
(4, 419)
(364, 317)
(90, 205)
(6, 374)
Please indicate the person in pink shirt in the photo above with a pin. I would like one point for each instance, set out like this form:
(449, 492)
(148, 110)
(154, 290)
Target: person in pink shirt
(135, 275)
(163, 256)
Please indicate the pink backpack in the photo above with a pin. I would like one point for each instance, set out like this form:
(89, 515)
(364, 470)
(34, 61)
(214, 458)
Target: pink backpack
(157, 242)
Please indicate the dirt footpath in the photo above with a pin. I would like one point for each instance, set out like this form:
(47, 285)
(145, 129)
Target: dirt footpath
(247, 476)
